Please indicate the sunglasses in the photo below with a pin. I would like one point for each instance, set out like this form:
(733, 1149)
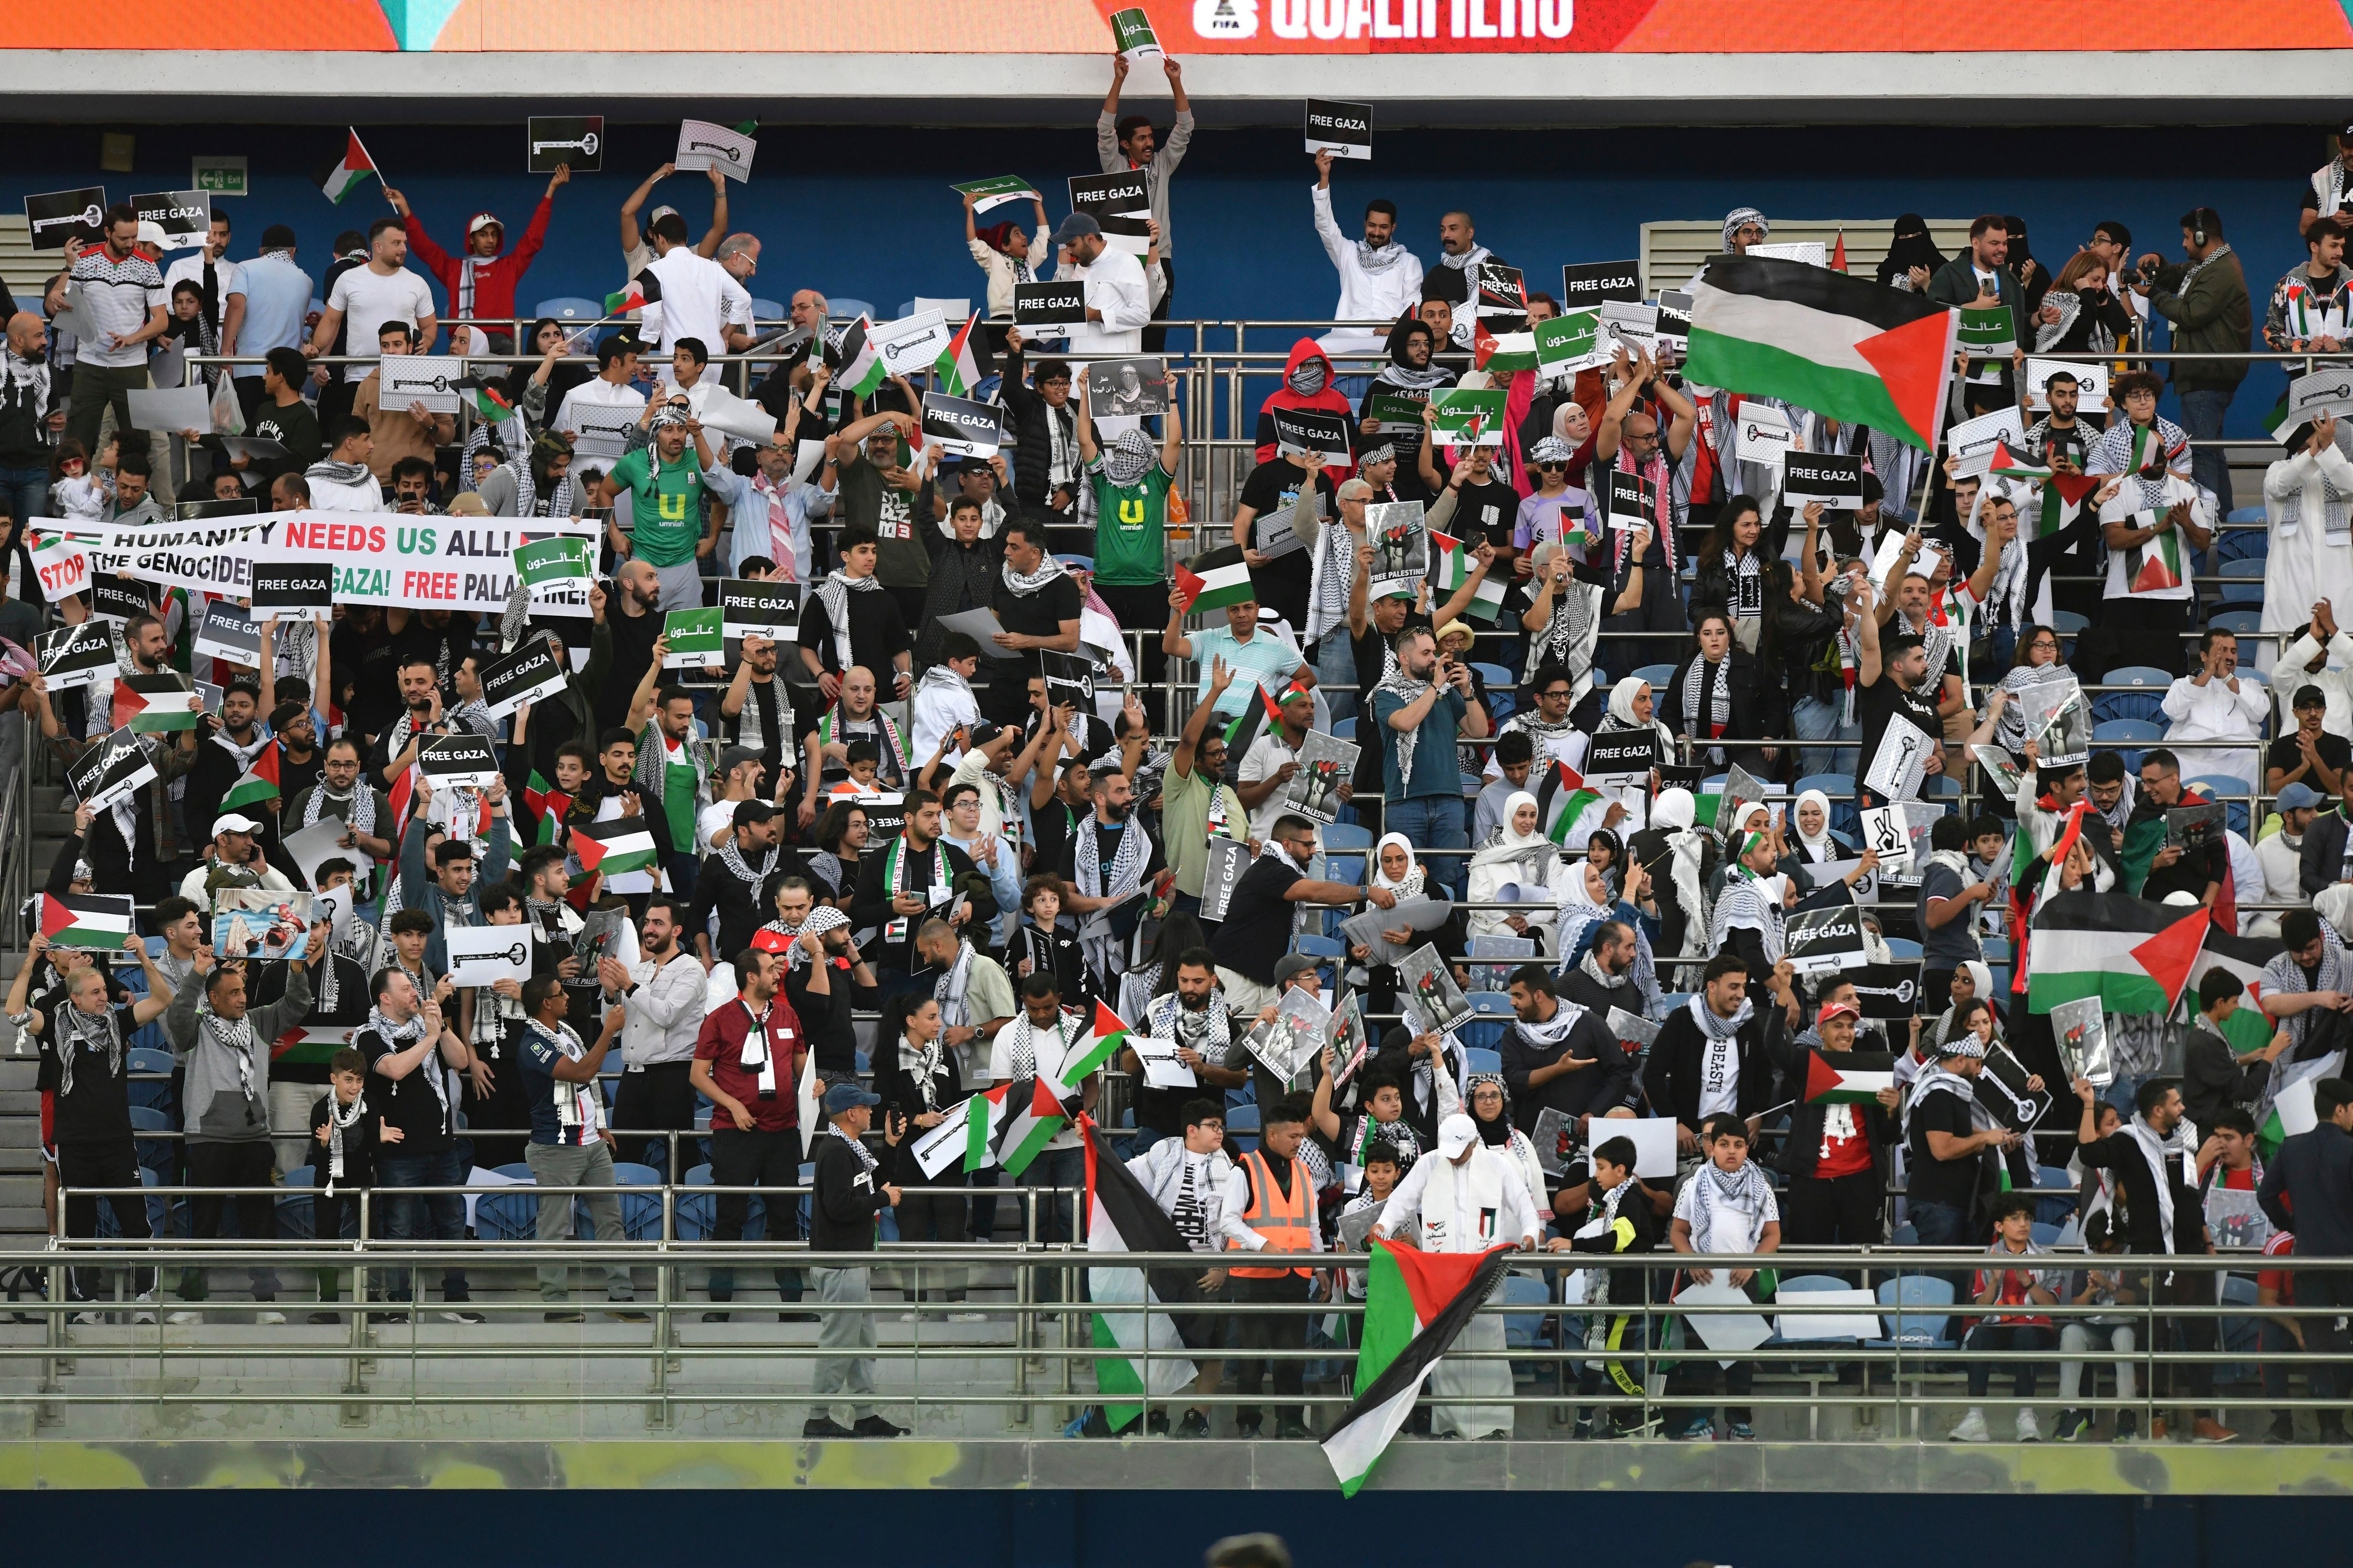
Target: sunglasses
(1552, 468)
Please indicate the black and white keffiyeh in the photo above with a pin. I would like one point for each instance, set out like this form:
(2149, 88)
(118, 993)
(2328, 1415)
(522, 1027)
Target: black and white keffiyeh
(235, 1036)
(357, 808)
(2284, 976)
(1208, 1031)
(1024, 584)
(1744, 1191)
(1567, 638)
(1752, 902)
(833, 591)
(1406, 690)
(1121, 878)
(1334, 577)
(857, 1146)
(341, 1120)
(1707, 697)
(732, 855)
(1021, 1039)
(79, 1032)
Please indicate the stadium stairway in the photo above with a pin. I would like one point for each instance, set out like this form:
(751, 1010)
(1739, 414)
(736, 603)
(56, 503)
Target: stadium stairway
(20, 1102)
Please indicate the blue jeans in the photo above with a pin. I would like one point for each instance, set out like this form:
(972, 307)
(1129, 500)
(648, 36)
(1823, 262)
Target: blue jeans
(1938, 1224)
(2202, 415)
(27, 491)
(1434, 822)
(1815, 720)
(441, 1217)
(1335, 668)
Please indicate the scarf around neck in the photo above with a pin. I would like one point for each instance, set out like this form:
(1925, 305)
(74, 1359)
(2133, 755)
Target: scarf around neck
(1024, 584)
(833, 591)
(1408, 689)
(1745, 1190)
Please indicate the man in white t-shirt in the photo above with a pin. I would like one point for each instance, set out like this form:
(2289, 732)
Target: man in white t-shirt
(608, 402)
(1274, 757)
(367, 296)
(1118, 299)
(687, 295)
(221, 280)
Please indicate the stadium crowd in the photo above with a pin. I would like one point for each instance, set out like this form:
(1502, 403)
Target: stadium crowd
(803, 906)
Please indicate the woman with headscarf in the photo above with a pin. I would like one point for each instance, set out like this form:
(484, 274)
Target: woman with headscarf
(1398, 870)
(1598, 889)
(1678, 859)
(1002, 251)
(1566, 607)
(1488, 1105)
(1308, 383)
(1748, 918)
(1720, 694)
(2092, 318)
(2033, 278)
(1518, 865)
(2035, 675)
(1911, 257)
(1817, 844)
(1632, 707)
(1729, 570)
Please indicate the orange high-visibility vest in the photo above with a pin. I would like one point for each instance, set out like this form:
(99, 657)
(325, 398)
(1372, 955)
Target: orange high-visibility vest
(1281, 1219)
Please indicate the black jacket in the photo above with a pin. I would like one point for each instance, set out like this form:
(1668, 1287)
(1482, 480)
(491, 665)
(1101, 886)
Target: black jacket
(1672, 1077)
(846, 1198)
(2213, 1079)
(1636, 1230)
(737, 904)
(2314, 1171)
(1802, 1146)
(870, 905)
(1587, 1091)
(1033, 447)
(1756, 703)
(2322, 859)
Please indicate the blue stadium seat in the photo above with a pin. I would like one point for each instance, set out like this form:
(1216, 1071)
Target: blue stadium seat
(2238, 623)
(1840, 787)
(2252, 570)
(1904, 949)
(151, 1092)
(571, 309)
(1808, 1285)
(2241, 593)
(1340, 837)
(1344, 728)
(1671, 1000)
(1658, 675)
(640, 1212)
(2234, 811)
(2244, 543)
(1242, 1129)
(2144, 702)
(508, 1214)
(847, 310)
(1498, 679)
(1915, 1330)
(2067, 623)
(1524, 1330)
(1482, 1060)
(766, 310)
(1494, 1014)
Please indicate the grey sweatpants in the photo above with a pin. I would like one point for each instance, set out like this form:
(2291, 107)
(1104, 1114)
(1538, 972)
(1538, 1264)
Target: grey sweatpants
(840, 1369)
(682, 586)
(572, 1165)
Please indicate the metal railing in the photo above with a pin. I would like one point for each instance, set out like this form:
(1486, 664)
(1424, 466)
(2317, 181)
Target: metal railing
(1023, 1371)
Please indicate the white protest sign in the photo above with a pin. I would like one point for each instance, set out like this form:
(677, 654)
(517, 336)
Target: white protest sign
(421, 562)
(1884, 830)
(1810, 251)
(1972, 441)
(484, 955)
(1630, 323)
(62, 568)
(912, 343)
(1654, 1138)
(702, 145)
(428, 379)
(2091, 384)
(1764, 436)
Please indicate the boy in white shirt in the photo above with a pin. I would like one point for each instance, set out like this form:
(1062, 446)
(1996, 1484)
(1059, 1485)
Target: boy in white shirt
(1727, 1206)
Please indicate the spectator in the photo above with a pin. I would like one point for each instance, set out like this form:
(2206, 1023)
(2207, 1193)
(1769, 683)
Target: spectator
(2024, 1330)
(1727, 1207)
(571, 1147)
(666, 493)
(1256, 932)
(345, 1144)
(1125, 142)
(1379, 278)
(1130, 495)
(855, 624)
(922, 1082)
(2110, 1288)
(1280, 1210)
(687, 295)
(2215, 704)
(612, 387)
(1118, 300)
(2163, 1216)
(1722, 693)
(1419, 712)
(1196, 802)
(31, 414)
(1003, 252)
(747, 1062)
(1708, 1058)
(1946, 1135)
(2200, 871)
(277, 295)
(2307, 1189)
(2307, 310)
(1560, 1057)
(2314, 481)
(224, 1059)
(1978, 281)
(366, 297)
(482, 283)
(418, 1057)
(122, 310)
(345, 479)
(663, 994)
(2206, 300)
(1835, 1155)
(1037, 603)
(843, 1208)
(1046, 467)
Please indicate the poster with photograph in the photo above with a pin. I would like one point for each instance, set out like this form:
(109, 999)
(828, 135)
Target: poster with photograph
(1325, 764)
(257, 922)
(1430, 991)
(1127, 386)
(2081, 1027)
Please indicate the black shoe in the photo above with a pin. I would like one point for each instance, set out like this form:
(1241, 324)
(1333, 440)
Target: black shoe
(2332, 1434)
(326, 1318)
(876, 1427)
(796, 1316)
(714, 1317)
(1247, 1429)
(1196, 1423)
(627, 1314)
(387, 1317)
(1156, 1423)
(1289, 1431)
(567, 1317)
(2282, 1430)
(825, 1426)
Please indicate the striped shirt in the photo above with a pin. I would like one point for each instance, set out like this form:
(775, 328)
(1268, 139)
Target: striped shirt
(116, 296)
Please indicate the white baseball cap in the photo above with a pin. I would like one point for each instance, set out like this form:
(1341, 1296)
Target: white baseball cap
(1456, 1133)
(230, 822)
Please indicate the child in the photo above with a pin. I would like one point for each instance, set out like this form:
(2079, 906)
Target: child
(79, 495)
(1727, 1206)
(349, 1140)
(1620, 1222)
(2004, 1286)
(1038, 942)
(864, 760)
(2100, 1288)
(1382, 1118)
(1382, 1173)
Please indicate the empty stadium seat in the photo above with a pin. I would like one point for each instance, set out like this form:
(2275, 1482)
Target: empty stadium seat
(571, 309)
(1657, 675)
(2234, 794)
(2144, 701)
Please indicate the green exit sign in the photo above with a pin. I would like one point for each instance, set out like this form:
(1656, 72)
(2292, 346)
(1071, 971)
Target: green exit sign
(220, 176)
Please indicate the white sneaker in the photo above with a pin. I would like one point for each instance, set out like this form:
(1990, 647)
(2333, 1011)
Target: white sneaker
(1972, 1428)
(146, 1314)
(967, 1317)
(185, 1316)
(91, 1319)
(2028, 1430)
(268, 1317)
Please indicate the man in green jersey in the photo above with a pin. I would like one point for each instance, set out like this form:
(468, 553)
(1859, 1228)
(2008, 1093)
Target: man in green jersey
(1131, 499)
(665, 483)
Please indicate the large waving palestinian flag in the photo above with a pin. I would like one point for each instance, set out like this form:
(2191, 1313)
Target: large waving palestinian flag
(1123, 1218)
(2135, 955)
(1842, 346)
(1416, 1303)
(2243, 958)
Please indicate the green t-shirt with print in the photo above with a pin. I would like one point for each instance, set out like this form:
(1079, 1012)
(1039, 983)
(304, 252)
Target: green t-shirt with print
(665, 505)
(1131, 527)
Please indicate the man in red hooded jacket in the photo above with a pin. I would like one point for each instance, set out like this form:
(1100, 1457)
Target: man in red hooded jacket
(481, 282)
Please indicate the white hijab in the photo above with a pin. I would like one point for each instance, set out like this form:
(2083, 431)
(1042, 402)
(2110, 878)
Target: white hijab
(1621, 713)
(1509, 843)
(1819, 846)
(1411, 885)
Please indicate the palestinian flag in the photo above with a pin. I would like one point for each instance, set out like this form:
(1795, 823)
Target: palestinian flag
(1215, 579)
(861, 369)
(1253, 722)
(643, 290)
(1847, 1078)
(257, 782)
(95, 922)
(1511, 351)
(2008, 465)
(2242, 957)
(1123, 1218)
(1029, 1115)
(1090, 1054)
(310, 1045)
(2062, 501)
(609, 848)
(490, 399)
(1561, 799)
(2135, 955)
(2155, 564)
(547, 805)
(344, 176)
(1845, 347)
(156, 704)
(1450, 566)
(965, 362)
(1416, 1303)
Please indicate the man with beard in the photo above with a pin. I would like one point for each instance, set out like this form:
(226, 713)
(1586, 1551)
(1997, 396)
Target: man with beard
(131, 845)
(747, 1063)
(730, 883)
(673, 767)
(634, 622)
(1038, 603)
(1110, 859)
(913, 874)
(1410, 376)
(1195, 1016)
(421, 719)
(1455, 278)
(1603, 977)
(755, 712)
(663, 993)
(1379, 278)
(537, 484)
(223, 756)
(824, 993)
(1557, 1057)
(1418, 713)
